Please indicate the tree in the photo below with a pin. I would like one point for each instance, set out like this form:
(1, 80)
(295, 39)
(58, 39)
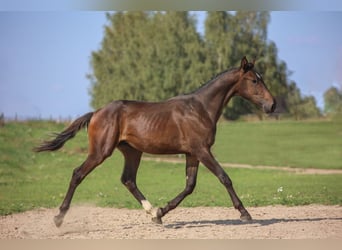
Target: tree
(250, 34)
(301, 107)
(179, 55)
(309, 107)
(333, 101)
(147, 56)
(157, 55)
(230, 36)
(115, 63)
(219, 39)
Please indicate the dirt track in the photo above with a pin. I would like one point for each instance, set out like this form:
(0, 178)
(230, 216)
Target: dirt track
(272, 222)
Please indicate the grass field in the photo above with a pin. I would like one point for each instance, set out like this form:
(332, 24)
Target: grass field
(29, 180)
(288, 143)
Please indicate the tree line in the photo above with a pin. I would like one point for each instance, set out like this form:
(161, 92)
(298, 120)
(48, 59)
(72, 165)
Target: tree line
(152, 56)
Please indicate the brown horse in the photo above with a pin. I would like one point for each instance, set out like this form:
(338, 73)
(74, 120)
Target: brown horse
(185, 124)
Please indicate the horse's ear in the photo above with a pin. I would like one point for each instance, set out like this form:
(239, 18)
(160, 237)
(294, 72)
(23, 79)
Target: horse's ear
(244, 63)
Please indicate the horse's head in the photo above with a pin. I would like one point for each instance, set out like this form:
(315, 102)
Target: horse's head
(252, 87)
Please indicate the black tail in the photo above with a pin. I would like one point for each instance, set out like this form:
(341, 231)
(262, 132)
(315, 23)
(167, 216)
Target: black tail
(67, 134)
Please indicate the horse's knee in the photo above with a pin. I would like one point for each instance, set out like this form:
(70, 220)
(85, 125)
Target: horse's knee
(128, 177)
(124, 180)
(125, 177)
(128, 183)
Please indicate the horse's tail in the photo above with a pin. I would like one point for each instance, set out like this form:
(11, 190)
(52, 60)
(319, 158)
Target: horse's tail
(67, 134)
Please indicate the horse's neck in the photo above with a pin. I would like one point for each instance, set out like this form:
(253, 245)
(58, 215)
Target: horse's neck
(216, 94)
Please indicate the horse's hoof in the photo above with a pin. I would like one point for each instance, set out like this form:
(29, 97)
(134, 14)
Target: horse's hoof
(58, 221)
(246, 217)
(157, 220)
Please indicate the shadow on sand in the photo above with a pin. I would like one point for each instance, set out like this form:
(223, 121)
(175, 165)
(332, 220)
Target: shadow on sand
(266, 222)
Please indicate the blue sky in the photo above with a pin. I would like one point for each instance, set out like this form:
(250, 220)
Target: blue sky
(44, 57)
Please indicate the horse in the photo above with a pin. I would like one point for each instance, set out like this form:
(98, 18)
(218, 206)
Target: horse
(185, 124)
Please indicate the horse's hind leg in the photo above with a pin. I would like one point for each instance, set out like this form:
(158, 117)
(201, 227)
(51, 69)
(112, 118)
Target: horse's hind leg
(78, 175)
(102, 141)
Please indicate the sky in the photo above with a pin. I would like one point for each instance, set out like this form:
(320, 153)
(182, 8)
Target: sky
(45, 57)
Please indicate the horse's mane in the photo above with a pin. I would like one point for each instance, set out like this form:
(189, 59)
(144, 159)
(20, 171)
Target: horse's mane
(215, 77)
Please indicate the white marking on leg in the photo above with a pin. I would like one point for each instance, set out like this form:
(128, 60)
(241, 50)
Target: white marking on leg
(146, 205)
(149, 208)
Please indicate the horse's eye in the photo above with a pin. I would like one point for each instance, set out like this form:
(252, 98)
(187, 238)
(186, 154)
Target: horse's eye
(255, 81)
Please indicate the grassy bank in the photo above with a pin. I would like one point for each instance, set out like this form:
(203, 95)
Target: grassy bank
(29, 180)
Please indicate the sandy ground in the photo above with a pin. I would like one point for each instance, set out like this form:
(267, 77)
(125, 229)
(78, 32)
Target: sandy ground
(89, 222)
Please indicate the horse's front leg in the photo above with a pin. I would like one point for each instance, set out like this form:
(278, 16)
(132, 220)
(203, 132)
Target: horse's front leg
(209, 161)
(191, 175)
(129, 175)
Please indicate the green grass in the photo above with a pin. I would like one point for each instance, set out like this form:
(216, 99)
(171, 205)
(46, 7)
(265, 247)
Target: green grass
(29, 180)
(315, 144)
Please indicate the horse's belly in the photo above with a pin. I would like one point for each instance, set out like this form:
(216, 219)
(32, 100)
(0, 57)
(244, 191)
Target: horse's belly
(158, 144)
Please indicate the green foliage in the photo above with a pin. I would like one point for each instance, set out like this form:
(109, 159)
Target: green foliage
(301, 107)
(29, 180)
(157, 55)
(333, 101)
(147, 56)
(229, 36)
(245, 33)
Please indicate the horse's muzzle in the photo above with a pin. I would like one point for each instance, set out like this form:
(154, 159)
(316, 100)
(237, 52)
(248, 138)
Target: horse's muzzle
(270, 108)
